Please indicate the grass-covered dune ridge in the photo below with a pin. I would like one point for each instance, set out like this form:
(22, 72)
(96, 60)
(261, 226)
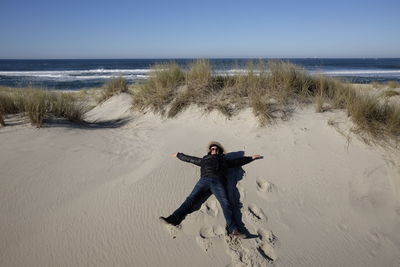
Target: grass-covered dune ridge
(270, 89)
(39, 105)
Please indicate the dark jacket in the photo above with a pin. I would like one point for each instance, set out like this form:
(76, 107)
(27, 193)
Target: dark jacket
(214, 166)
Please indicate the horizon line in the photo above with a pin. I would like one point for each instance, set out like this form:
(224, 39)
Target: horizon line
(172, 58)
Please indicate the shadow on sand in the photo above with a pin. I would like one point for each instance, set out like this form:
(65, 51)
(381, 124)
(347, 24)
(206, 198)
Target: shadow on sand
(15, 120)
(117, 123)
(234, 175)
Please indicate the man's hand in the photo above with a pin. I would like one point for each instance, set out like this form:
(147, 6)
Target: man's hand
(174, 155)
(257, 157)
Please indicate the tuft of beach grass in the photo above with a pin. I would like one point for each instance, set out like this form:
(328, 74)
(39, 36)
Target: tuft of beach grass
(393, 84)
(112, 87)
(39, 104)
(390, 93)
(160, 88)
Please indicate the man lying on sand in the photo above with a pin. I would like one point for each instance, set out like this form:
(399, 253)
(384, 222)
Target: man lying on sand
(212, 174)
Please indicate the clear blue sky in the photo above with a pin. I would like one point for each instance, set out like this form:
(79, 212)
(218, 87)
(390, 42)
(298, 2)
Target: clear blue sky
(174, 29)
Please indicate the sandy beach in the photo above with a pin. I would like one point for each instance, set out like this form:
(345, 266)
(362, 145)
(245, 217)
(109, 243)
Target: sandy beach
(91, 195)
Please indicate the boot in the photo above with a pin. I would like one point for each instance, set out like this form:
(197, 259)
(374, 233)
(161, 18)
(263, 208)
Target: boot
(169, 220)
(237, 233)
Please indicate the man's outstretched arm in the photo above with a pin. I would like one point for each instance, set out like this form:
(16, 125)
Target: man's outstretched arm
(187, 158)
(232, 163)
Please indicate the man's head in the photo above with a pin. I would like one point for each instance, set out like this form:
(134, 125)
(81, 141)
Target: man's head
(215, 148)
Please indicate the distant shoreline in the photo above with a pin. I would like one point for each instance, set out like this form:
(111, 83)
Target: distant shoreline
(195, 58)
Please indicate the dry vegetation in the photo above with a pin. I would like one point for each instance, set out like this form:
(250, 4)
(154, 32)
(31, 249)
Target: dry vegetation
(389, 84)
(270, 89)
(390, 93)
(161, 87)
(39, 105)
(393, 84)
(112, 87)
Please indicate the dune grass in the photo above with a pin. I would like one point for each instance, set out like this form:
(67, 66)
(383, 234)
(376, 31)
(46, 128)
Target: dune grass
(160, 89)
(270, 89)
(8, 103)
(393, 84)
(376, 85)
(38, 105)
(390, 93)
(374, 117)
(389, 84)
(200, 75)
(114, 86)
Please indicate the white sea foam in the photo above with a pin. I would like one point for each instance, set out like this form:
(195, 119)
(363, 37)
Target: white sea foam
(358, 72)
(78, 75)
(135, 74)
(382, 73)
(73, 72)
(232, 71)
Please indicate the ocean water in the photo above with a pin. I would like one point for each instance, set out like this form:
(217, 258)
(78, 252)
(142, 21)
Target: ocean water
(74, 74)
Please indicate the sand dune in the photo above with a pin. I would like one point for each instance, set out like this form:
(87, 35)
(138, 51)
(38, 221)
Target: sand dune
(91, 195)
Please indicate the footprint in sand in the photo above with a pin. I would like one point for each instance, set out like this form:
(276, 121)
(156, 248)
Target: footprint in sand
(266, 236)
(203, 239)
(255, 213)
(211, 208)
(240, 255)
(244, 255)
(267, 251)
(210, 232)
(265, 186)
(266, 190)
(206, 234)
(219, 230)
(266, 247)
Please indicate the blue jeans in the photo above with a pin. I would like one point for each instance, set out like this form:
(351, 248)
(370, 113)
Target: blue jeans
(204, 187)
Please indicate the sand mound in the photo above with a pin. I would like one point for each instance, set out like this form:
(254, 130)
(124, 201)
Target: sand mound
(115, 108)
(77, 196)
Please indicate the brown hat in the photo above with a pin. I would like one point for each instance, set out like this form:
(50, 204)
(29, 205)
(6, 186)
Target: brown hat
(215, 143)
